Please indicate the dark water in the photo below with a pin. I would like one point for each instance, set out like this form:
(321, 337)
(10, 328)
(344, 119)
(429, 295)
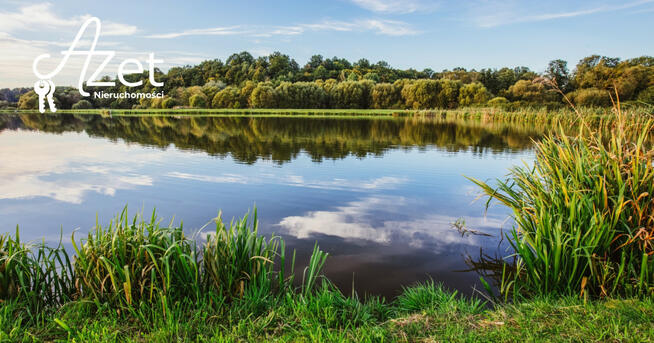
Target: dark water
(380, 195)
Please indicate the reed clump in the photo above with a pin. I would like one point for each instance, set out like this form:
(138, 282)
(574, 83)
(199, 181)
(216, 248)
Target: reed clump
(237, 256)
(36, 275)
(135, 264)
(129, 262)
(584, 214)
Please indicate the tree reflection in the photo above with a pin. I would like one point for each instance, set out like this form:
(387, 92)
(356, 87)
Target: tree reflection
(281, 139)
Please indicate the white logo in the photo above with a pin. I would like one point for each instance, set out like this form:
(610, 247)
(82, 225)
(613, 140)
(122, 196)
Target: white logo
(45, 88)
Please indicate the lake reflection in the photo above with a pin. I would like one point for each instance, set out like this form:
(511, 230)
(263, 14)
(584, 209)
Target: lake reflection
(380, 195)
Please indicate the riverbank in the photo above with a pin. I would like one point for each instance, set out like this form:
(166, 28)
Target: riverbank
(421, 314)
(134, 281)
(469, 112)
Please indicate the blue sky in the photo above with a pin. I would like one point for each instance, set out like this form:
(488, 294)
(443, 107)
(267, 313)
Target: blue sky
(406, 33)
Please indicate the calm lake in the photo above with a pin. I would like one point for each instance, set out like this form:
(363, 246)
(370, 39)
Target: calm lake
(380, 195)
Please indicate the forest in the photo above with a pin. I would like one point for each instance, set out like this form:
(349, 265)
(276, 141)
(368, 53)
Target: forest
(278, 81)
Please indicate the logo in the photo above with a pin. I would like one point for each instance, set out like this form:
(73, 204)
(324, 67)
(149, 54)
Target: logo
(45, 88)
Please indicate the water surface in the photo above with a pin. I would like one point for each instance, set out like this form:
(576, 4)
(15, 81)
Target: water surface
(379, 194)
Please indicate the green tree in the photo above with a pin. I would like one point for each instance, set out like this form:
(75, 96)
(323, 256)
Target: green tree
(263, 96)
(168, 103)
(647, 96)
(198, 101)
(28, 101)
(351, 94)
(300, 95)
(448, 97)
(385, 95)
(421, 94)
(473, 94)
(230, 97)
(557, 71)
(82, 105)
(532, 92)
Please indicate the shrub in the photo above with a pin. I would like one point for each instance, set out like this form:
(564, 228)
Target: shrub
(647, 96)
(498, 102)
(28, 101)
(351, 94)
(531, 91)
(300, 95)
(168, 103)
(198, 101)
(591, 97)
(82, 105)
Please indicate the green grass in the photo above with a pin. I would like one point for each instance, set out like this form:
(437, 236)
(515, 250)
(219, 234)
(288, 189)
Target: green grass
(328, 316)
(137, 281)
(519, 114)
(584, 214)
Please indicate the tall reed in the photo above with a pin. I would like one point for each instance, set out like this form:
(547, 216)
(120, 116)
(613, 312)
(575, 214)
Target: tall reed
(236, 257)
(584, 213)
(127, 263)
(37, 275)
(135, 264)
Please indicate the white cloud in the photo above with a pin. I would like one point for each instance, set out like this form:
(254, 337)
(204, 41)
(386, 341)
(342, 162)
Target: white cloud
(40, 17)
(497, 13)
(379, 26)
(389, 27)
(213, 31)
(394, 6)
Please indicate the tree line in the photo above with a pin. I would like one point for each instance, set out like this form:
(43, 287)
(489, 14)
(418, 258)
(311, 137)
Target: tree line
(278, 81)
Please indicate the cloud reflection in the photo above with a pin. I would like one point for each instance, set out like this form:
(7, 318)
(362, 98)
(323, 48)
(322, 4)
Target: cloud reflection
(67, 168)
(384, 182)
(363, 220)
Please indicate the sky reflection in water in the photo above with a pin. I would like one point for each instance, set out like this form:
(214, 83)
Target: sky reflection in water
(382, 207)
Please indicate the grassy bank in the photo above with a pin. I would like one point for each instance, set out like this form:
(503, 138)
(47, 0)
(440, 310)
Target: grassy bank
(528, 113)
(422, 314)
(134, 280)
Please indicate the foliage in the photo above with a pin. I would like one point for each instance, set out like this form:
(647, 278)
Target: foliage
(647, 96)
(499, 101)
(129, 263)
(198, 101)
(473, 94)
(531, 92)
(263, 96)
(28, 101)
(584, 214)
(168, 103)
(229, 97)
(38, 276)
(590, 97)
(385, 95)
(82, 105)
(362, 85)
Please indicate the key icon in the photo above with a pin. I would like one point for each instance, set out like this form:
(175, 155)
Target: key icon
(42, 89)
(50, 96)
